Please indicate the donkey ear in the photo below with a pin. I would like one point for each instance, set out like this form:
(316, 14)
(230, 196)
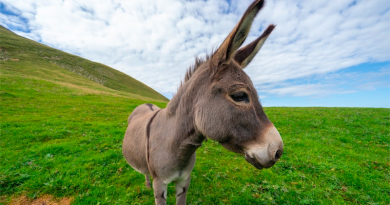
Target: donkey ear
(235, 39)
(245, 55)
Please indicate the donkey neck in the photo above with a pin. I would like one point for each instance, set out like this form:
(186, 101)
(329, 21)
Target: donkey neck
(180, 111)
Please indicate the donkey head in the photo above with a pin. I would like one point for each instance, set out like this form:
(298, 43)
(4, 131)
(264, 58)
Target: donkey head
(228, 110)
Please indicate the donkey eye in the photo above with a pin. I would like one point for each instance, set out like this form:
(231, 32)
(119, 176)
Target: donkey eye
(240, 97)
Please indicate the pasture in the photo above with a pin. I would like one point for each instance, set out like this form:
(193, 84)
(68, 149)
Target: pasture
(63, 119)
(65, 142)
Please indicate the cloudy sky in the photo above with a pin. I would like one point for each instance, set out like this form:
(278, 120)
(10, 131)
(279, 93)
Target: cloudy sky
(322, 53)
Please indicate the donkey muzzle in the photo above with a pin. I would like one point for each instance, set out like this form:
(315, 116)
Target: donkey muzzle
(266, 154)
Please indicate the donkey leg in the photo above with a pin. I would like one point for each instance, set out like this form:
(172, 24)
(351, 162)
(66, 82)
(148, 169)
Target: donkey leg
(147, 181)
(160, 192)
(181, 191)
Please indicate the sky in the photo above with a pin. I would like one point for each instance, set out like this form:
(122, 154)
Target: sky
(321, 53)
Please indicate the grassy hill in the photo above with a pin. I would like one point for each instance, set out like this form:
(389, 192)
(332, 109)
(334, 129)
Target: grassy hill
(21, 57)
(63, 139)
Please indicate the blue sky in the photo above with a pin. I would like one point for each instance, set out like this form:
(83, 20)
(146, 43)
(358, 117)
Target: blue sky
(322, 53)
(364, 85)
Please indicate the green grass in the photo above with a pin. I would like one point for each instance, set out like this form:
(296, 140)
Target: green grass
(57, 141)
(61, 134)
(23, 57)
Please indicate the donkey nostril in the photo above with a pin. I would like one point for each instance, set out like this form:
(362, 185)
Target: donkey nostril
(278, 154)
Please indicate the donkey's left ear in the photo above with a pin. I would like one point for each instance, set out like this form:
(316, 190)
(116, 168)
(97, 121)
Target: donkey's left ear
(245, 55)
(238, 35)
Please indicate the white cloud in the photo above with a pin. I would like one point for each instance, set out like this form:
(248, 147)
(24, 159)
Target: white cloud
(323, 85)
(307, 90)
(155, 41)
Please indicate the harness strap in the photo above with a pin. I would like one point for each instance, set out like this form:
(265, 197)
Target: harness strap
(147, 143)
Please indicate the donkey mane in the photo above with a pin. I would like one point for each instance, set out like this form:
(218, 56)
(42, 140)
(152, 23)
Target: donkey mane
(191, 70)
(174, 102)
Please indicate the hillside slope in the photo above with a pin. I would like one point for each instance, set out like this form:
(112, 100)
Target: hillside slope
(28, 59)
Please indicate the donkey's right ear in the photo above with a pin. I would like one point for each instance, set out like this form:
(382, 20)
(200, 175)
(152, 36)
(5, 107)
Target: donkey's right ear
(245, 55)
(238, 35)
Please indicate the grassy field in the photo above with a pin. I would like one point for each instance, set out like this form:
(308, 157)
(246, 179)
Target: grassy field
(61, 134)
(25, 58)
(56, 140)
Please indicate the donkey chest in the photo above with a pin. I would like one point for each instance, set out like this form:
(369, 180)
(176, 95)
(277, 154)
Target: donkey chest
(179, 175)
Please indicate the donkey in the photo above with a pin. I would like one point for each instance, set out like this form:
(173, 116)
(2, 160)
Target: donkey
(216, 100)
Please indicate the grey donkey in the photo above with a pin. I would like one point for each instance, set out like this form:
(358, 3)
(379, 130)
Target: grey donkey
(216, 100)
